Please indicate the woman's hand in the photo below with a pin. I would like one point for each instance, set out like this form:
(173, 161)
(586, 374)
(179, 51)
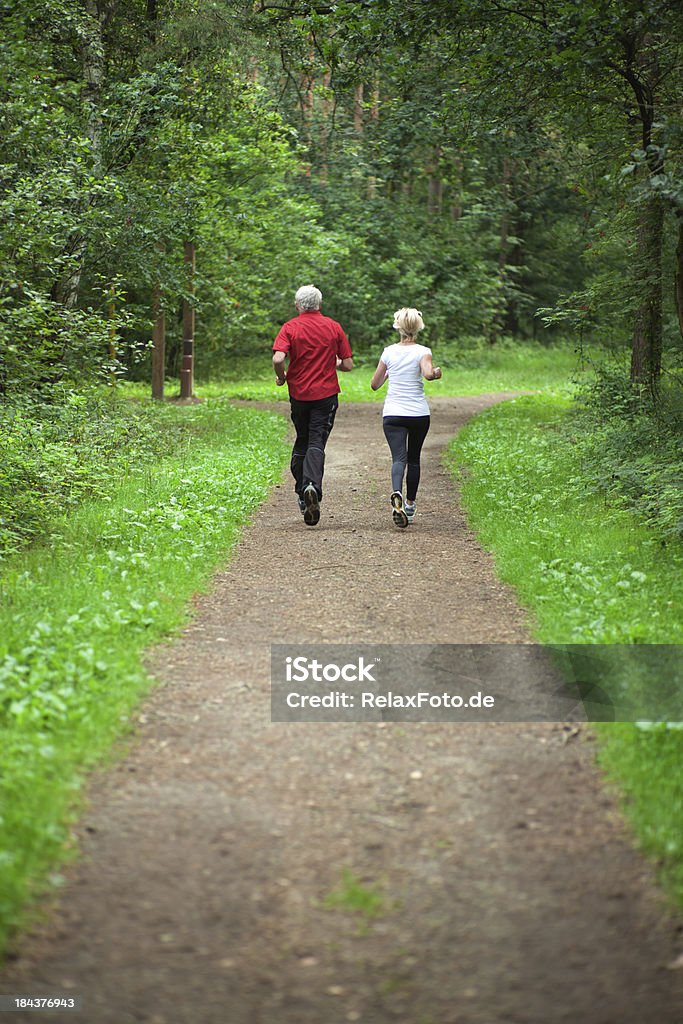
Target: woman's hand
(437, 373)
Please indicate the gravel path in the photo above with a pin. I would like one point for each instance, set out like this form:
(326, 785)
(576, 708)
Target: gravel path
(505, 888)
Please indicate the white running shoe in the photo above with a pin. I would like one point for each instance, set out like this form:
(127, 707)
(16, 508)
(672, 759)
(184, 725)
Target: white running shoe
(410, 511)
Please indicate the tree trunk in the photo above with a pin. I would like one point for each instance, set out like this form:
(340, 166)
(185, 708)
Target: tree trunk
(678, 290)
(505, 219)
(254, 73)
(358, 109)
(374, 116)
(152, 15)
(92, 61)
(66, 289)
(503, 252)
(325, 128)
(158, 344)
(111, 316)
(646, 351)
(187, 370)
(307, 102)
(642, 74)
(434, 184)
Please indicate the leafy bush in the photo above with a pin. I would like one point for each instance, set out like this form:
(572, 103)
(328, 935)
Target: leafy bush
(57, 454)
(630, 443)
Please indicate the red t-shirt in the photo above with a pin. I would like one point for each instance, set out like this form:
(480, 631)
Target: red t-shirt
(313, 342)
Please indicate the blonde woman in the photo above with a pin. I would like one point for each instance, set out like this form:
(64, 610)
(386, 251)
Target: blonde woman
(406, 365)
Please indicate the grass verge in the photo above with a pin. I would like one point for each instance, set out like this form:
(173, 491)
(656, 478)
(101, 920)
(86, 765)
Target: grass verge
(590, 572)
(467, 371)
(60, 453)
(78, 614)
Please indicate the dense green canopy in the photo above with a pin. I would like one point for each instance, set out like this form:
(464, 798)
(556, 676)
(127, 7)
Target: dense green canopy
(504, 166)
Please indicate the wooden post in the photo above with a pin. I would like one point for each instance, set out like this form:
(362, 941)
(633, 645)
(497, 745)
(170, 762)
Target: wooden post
(158, 345)
(187, 369)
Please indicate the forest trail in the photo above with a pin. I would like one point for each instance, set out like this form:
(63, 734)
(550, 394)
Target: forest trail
(511, 894)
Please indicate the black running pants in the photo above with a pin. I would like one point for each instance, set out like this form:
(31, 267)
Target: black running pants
(313, 422)
(405, 435)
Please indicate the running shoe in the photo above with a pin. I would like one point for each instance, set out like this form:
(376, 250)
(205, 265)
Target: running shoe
(410, 511)
(398, 514)
(301, 503)
(312, 503)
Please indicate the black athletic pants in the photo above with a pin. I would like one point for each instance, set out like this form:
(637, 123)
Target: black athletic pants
(313, 422)
(406, 435)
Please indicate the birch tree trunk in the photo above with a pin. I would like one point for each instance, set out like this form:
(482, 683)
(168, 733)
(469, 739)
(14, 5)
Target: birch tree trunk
(65, 290)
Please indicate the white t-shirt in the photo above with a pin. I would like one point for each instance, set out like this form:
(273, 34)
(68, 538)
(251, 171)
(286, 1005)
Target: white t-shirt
(406, 393)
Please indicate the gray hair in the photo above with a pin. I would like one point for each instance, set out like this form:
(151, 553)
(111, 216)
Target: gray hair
(308, 298)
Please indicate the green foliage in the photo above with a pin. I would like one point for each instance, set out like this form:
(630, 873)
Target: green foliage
(629, 441)
(57, 455)
(76, 616)
(545, 113)
(224, 123)
(591, 572)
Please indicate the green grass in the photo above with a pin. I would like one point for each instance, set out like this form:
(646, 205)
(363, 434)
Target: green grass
(467, 371)
(351, 895)
(645, 765)
(79, 610)
(590, 572)
(66, 450)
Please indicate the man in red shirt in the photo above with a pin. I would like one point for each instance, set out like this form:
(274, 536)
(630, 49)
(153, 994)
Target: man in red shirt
(317, 347)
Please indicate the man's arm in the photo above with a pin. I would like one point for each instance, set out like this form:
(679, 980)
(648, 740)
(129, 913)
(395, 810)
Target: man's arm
(344, 354)
(279, 367)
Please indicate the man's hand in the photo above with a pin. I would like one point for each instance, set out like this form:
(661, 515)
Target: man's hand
(280, 380)
(437, 373)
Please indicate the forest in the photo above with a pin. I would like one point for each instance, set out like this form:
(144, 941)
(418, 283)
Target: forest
(515, 169)
(172, 170)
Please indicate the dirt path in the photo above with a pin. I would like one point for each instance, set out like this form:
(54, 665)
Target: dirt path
(511, 893)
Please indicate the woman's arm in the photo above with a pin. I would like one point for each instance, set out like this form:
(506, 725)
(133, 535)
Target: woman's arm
(429, 372)
(380, 376)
